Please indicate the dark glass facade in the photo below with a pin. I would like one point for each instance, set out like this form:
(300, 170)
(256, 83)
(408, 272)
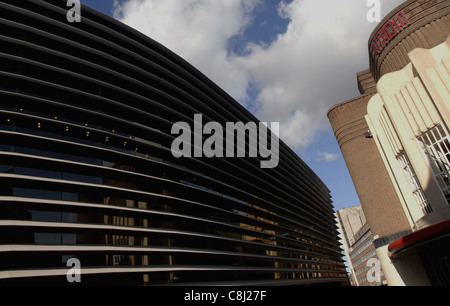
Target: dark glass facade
(86, 170)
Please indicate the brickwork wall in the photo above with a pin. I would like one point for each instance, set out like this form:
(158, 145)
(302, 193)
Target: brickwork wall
(378, 198)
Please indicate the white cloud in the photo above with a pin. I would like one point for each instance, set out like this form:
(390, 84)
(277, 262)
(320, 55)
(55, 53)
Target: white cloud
(326, 156)
(198, 31)
(300, 75)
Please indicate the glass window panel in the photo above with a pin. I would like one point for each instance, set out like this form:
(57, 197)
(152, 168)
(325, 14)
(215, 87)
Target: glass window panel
(36, 193)
(45, 216)
(65, 259)
(69, 217)
(82, 178)
(7, 127)
(8, 107)
(47, 238)
(6, 169)
(82, 140)
(38, 131)
(37, 172)
(82, 159)
(69, 239)
(68, 196)
(38, 152)
(6, 148)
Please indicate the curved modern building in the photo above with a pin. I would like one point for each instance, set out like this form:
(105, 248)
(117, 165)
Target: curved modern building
(402, 184)
(86, 170)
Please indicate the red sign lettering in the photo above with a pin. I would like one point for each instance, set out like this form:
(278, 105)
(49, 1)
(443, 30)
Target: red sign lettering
(389, 31)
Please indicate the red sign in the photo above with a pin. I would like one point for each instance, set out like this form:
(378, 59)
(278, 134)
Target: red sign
(389, 31)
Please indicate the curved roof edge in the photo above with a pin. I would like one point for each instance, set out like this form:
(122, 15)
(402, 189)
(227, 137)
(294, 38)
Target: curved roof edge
(349, 101)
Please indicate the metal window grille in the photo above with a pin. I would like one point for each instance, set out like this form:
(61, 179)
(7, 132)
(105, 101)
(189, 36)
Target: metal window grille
(436, 146)
(414, 183)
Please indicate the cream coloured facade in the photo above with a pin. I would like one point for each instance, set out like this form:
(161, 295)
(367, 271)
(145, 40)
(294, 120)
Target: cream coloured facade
(409, 120)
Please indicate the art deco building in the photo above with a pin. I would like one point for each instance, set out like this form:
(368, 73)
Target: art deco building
(395, 140)
(86, 170)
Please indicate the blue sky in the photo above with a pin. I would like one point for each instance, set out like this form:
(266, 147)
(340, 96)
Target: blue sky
(286, 61)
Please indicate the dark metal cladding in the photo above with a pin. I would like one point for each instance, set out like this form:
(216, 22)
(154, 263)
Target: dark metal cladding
(86, 171)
